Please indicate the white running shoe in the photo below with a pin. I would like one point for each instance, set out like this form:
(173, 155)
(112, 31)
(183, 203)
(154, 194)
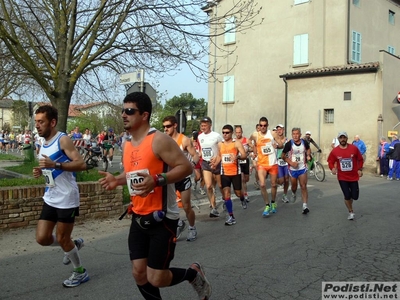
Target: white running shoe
(192, 234)
(351, 216)
(76, 279)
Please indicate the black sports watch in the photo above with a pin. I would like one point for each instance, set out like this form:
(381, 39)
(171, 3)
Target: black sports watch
(58, 166)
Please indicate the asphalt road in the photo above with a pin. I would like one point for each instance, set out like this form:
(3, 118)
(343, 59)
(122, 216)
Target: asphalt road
(285, 256)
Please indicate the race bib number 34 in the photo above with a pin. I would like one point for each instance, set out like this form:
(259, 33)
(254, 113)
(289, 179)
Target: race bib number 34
(133, 178)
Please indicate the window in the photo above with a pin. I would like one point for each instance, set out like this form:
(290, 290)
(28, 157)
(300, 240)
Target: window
(329, 115)
(230, 34)
(356, 47)
(300, 1)
(300, 49)
(391, 17)
(347, 96)
(356, 2)
(391, 50)
(229, 89)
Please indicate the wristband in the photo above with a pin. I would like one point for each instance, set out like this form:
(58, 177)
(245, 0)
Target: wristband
(161, 179)
(156, 182)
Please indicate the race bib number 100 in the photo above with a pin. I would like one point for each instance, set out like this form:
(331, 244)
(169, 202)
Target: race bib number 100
(133, 178)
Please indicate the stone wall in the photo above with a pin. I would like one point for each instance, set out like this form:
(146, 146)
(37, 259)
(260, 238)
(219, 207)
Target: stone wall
(21, 206)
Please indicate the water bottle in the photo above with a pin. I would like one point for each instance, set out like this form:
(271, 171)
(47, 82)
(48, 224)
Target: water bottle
(158, 215)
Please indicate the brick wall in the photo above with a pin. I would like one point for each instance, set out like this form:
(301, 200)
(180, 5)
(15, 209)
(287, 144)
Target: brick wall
(21, 206)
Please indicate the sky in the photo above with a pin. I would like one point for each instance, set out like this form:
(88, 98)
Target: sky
(184, 81)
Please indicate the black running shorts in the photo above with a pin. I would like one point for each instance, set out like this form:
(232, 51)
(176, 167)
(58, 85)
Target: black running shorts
(184, 184)
(50, 213)
(157, 244)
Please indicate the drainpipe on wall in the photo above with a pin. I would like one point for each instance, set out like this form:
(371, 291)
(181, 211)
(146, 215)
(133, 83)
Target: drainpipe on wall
(380, 134)
(348, 32)
(286, 100)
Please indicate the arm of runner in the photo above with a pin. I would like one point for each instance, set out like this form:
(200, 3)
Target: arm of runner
(169, 152)
(242, 151)
(76, 161)
(110, 182)
(192, 151)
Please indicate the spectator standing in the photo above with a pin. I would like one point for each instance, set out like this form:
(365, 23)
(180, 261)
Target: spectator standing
(383, 150)
(394, 156)
(360, 145)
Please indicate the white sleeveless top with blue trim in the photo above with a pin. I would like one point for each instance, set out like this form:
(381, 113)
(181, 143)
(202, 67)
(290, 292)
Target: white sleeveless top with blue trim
(64, 193)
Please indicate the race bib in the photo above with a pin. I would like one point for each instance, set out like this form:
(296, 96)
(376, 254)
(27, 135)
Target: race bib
(242, 161)
(207, 153)
(281, 162)
(227, 159)
(296, 158)
(133, 178)
(48, 177)
(268, 149)
(346, 164)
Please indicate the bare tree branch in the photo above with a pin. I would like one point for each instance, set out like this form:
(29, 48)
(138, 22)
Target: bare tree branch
(61, 42)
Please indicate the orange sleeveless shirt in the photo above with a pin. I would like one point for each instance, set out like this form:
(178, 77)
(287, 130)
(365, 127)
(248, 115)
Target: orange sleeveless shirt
(229, 166)
(143, 158)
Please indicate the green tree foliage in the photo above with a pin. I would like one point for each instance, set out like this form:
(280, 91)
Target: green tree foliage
(68, 45)
(196, 108)
(20, 113)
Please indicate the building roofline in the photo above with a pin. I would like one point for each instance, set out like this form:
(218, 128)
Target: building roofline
(336, 70)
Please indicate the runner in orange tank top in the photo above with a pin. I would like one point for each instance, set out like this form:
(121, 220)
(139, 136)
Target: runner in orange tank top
(229, 152)
(153, 163)
(170, 125)
(266, 142)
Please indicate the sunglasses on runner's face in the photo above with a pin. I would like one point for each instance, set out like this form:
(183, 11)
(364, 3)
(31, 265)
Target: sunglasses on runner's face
(167, 126)
(129, 111)
(261, 125)
(226, 132)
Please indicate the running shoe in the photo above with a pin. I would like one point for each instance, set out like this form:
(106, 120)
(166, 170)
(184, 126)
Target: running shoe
(194, 186)
(351, 216)
(121, 166)
(214, 213)
(76, 279)
(274, 206)
(293, 197)
(285, 199)
(200, 284)
(246, 198)
(110, 163)
(230, 221)
(180, 229)
(390, 178)
(202, 191)
(244, 204)
(305, 210)
(79, 243)
(192, 234)
(256, 185)
(266, 211)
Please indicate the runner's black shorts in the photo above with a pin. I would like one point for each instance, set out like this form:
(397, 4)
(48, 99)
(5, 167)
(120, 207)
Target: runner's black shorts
(184, 184)
(245, 167)
(157, 244)
(63, 215)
